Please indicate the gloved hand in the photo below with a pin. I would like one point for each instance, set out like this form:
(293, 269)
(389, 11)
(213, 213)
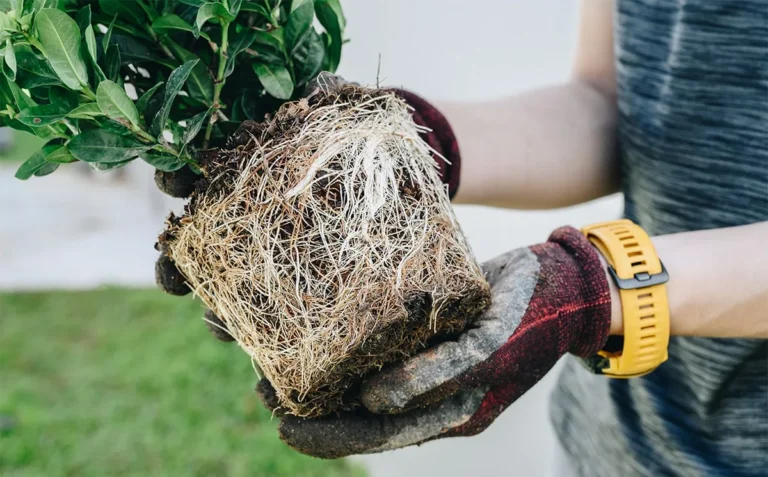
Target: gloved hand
(182, 183)
(547, 300)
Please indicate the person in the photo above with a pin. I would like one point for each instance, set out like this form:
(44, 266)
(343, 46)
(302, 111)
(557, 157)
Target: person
(668, 103)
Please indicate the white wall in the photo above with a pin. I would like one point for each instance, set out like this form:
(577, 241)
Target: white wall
(481, 49)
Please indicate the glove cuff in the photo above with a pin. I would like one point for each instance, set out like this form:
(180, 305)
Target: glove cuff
(589, 326)
(440, 137)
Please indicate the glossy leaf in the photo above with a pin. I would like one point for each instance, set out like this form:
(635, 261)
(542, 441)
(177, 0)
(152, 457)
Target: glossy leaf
(115, 103)
(141, 104)
(105, 147)
(240, 42)
(210, 11)
(299, 23)
(48, 168)
(10, 58)
(171, 22)
(251, 6)
(90, 41)
(194, 125)
(83, 18)
(308, 58)
(200, 85)
(60, 156)
(86, 111)
(330, 15)
(33, 71)
(175, 82)
(163, 162)
(108, 35)
(125, 10)
(42, 115)
(276, 80)
(113, 63)
(35, 162)
(60, 38)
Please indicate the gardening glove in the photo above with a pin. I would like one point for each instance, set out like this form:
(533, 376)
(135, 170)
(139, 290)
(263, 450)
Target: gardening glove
(547, 300)
(182, 183)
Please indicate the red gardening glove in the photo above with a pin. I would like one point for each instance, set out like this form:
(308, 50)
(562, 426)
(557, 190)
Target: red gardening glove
(547, 300)
(182, 183)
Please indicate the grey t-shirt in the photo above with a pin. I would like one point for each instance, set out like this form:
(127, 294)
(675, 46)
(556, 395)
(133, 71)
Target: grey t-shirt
(693, 122)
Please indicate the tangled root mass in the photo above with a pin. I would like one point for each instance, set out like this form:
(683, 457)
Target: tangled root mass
(325, 240)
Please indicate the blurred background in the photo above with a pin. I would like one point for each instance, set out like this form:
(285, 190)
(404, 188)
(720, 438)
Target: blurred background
(101, 374)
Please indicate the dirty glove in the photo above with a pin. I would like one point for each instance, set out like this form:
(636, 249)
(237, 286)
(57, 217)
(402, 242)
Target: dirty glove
(547, 300)
(182, 183)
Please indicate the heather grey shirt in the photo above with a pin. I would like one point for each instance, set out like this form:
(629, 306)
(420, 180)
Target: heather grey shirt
(693, 121)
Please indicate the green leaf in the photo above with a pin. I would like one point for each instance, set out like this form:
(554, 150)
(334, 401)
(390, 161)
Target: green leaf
(83, 18)
(48, 168)
(163, 162)
(276, 80)
(11, 5)
(308, 58)
(33, 71)
(10, 58)
(299, 23)
(115, 103)
(194, 3)
(330, 15)
(60, 38)
(108, 35)
(170, 22)
(60, 156)
(141, 104)
(271, 48)
(126, 11)
(20, 98)
(175, 82)
(200, 85)
(33, 6)
(234, 7)
(134, 50)
(66, 98)
(193, 127)
(38, 116)
(90, 41)
(240, 42)
(113, 63)
(7, 26)
(105, 147)
(256, 8)
(210, 11)
(35, 162)
(86, 111)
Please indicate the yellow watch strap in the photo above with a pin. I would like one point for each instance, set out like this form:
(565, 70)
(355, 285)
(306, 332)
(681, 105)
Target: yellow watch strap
(640, 276)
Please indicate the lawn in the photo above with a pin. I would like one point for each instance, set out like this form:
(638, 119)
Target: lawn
(129, 383)
(23, 145)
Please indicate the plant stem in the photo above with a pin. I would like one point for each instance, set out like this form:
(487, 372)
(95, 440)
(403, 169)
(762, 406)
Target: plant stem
(142, 134)
(219, 81)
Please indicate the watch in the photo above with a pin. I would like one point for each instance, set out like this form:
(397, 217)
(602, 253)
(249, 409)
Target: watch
(641, 278)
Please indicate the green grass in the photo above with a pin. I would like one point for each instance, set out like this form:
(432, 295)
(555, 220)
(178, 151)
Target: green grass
(23, 146)
(122, 383)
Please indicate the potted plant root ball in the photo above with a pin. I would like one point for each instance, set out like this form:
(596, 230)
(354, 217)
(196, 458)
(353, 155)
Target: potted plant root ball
(324, 240)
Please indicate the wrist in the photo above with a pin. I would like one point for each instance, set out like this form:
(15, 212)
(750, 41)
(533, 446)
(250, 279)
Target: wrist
(617, 317)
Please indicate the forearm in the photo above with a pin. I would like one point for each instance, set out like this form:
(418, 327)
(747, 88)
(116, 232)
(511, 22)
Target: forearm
(552, 147)
(718, 284)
